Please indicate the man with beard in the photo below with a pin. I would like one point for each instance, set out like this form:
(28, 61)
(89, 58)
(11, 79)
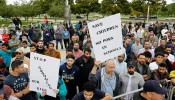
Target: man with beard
(73, 40)
(161, 48)
(167, 61)
(40, 47)
(161, 75)
(120, 64)
(142, 68)
(76, 51)
(130, 81)
(52, 52)
(85, 64)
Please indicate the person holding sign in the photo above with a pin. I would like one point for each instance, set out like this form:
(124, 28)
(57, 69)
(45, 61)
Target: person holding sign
(71, 75)
(19, 81)
(106, 78)
(61, 92)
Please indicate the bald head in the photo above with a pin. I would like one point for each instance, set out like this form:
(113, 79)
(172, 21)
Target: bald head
(110, 66)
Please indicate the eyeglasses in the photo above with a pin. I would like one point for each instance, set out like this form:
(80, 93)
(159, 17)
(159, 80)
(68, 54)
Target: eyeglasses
(18, 53)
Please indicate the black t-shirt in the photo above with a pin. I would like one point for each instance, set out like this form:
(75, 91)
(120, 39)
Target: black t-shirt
(137, 96)
(18, 83)
(97, 95)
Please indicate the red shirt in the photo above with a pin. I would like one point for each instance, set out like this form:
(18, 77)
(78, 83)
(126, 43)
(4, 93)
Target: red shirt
(5, 37)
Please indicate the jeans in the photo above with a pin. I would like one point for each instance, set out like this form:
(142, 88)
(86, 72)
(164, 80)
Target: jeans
(59, 40)
(66, 42)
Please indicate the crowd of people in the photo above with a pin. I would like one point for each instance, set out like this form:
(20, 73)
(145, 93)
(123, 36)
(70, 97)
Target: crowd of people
(147, 61)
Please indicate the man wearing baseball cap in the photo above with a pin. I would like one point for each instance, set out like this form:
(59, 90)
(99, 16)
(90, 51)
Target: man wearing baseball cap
(152, 90)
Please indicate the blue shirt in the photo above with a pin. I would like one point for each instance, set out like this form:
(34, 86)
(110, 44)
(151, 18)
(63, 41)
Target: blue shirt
(6, 57)
(109, 83)
(66, 35)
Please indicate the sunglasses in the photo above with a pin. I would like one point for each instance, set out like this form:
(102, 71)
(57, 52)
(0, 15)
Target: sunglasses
(18, 53)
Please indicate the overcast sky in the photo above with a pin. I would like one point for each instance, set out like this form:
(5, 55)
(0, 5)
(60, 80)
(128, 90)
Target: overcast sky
(12, 1)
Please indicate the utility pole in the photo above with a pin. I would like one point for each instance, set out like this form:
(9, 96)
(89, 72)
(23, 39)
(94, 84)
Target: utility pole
(67, 12)
(148, 15)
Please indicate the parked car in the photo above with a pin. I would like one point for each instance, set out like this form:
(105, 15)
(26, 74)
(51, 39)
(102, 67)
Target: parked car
(79, 17)
(132, 17)
(170, 18)
(153, 17)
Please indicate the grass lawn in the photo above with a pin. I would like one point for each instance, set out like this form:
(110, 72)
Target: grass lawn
(25, 23)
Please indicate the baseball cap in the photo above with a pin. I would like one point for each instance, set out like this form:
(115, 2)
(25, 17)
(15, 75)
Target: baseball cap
(2, 91)
(130, 64)
(19, 50)
(154, 86)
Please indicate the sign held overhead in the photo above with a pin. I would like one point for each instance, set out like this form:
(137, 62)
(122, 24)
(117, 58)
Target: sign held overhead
(106, 37)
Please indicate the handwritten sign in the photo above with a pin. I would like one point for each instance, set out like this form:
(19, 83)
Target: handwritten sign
(106, 37)
(44, 71)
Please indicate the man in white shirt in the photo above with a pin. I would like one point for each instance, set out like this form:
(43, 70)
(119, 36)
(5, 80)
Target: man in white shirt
(25, 48)
(164, 31)
(158, 59)
(139, 34)
(170, 56)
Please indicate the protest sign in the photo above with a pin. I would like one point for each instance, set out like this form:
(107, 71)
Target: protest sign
(106, 37)
(44, 71)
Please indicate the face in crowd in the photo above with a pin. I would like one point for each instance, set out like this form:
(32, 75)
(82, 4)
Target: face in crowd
(110, 66)
(127, 41)
(88, 95)
(163, 42)
(159, 59)
(121, 58)
(20, 68)
(141, 59)
(73, 38)
(40, 45)
(19, 55)
(76, 47)
(51, 47)
(131, 70)
(32, 49)
(70, 62)
(24, 45)
(87, 54)
(146, 45)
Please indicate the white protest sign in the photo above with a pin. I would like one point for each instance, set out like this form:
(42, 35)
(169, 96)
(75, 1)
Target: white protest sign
(44, 71)
(106, 37)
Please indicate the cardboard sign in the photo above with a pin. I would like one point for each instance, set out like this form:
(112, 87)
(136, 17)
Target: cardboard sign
(106, 37)
(44, 71)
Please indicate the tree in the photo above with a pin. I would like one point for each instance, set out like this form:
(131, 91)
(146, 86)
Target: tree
(6, 11)
(109, 7)
(138, 7)
(30, 9)
(85, 7)
(56, 11)
(124, 6)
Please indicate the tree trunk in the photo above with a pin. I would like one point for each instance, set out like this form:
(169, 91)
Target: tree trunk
(32, 19)
(87, 15)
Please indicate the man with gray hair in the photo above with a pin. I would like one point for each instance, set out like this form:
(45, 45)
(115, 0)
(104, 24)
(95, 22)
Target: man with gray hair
(106, 78)
(136, 47)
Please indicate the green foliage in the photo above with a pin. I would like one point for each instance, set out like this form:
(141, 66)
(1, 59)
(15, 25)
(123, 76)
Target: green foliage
(30, 9)
(56, 11)
(85, 7)
(6, 11)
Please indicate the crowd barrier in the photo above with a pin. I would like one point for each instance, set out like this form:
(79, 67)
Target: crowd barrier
(168, 96)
